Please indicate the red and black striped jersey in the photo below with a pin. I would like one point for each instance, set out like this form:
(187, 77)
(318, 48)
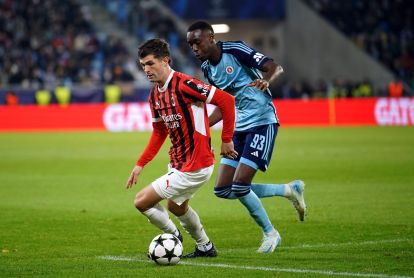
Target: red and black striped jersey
(181, 106)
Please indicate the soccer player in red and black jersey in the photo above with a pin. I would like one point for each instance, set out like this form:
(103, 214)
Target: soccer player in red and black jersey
(178, 107)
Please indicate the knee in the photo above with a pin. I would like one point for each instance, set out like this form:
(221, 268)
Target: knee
(223, 191)
(139, 203)
(240, 189)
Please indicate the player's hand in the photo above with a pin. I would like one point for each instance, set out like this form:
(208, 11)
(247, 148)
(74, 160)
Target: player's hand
(260, 84)
(133, 177)
(227, 150)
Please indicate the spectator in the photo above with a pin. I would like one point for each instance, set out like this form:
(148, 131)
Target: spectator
(395, 88)
(50, 42)
(11, 98)
(382, 28)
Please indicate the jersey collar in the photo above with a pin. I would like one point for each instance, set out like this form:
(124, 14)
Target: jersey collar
(163, 88)
(220, 47)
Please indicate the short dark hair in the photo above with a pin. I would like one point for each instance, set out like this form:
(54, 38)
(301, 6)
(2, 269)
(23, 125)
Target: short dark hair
(202, 25)
(157, 47)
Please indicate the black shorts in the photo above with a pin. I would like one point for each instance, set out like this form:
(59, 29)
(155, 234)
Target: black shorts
(254, 146)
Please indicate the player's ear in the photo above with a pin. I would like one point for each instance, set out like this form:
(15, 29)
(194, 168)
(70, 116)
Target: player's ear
(166, 60)
(211, 37)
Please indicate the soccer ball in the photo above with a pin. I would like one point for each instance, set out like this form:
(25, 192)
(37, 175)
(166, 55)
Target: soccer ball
(165, 249)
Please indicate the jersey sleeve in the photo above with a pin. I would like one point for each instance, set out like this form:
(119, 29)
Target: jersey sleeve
(245, 54)
(226, 104)
(198, 90)
(155, 117)
(158, 136)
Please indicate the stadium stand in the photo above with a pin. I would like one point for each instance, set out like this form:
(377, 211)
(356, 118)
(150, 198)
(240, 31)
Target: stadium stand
(384, 29)
(145, 20)
(52, 42)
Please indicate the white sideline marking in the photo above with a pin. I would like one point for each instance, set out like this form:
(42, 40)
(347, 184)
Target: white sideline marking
(323, 245)
(347, 243)
(262, 268)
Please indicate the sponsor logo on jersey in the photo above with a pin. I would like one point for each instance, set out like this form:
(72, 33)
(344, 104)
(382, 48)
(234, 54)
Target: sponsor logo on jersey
(203, 89)
(255, 153)
(229, 70)
(172, 121)
(172, 117)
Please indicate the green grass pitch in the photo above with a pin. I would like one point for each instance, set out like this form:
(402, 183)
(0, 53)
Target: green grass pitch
(64, 210)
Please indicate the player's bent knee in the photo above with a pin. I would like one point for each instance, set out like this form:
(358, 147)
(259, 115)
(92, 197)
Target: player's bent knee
(139, 203)
(240, 189)
(223, 191)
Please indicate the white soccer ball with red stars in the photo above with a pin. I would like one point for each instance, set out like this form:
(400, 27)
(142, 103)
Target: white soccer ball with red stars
(165, 249)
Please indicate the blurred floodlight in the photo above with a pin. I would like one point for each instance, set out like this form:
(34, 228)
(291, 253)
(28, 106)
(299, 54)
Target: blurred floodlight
(220, 28)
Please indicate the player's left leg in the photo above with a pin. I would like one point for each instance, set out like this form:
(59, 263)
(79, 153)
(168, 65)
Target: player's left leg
(191, 223)
(241, 187)
(147, 202)
(258, 152)
(178, 188)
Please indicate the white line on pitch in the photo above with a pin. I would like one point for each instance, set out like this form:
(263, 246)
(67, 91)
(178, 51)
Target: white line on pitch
(325, 245)
(262, 268)
(371, 242)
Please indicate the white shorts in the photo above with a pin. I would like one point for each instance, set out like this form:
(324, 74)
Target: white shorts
(180, 186)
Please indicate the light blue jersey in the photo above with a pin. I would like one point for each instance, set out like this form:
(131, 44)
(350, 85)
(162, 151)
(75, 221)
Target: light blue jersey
(238, 66)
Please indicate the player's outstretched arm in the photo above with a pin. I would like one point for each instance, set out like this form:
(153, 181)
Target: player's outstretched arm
(158, 136)
(225, 102)
(133, 177)
(226, 105)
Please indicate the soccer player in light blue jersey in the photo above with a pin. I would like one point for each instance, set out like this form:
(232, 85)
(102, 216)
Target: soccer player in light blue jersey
(245, 73)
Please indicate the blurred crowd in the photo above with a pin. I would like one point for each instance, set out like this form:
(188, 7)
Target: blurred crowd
(45, 43)
(145, 20)
(49, 43)
(383, 28)
(336, 89)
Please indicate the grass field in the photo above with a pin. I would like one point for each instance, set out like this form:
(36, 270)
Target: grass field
(64, 210)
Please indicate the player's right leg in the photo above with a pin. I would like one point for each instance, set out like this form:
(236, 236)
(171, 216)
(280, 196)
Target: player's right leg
(257, 151)
(296, 197)
(191, 223)
(147, 202)
(224, 181)
(293, 191)
(225, 175)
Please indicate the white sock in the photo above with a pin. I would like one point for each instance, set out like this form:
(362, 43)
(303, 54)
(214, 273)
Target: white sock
(159, 217)
(192, 225)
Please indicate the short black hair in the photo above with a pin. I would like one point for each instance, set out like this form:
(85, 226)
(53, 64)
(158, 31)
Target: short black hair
(157, 47)
(202, 25)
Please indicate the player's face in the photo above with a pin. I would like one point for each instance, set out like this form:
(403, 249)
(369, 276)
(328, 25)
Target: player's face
(200, 43)
(155, 69)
